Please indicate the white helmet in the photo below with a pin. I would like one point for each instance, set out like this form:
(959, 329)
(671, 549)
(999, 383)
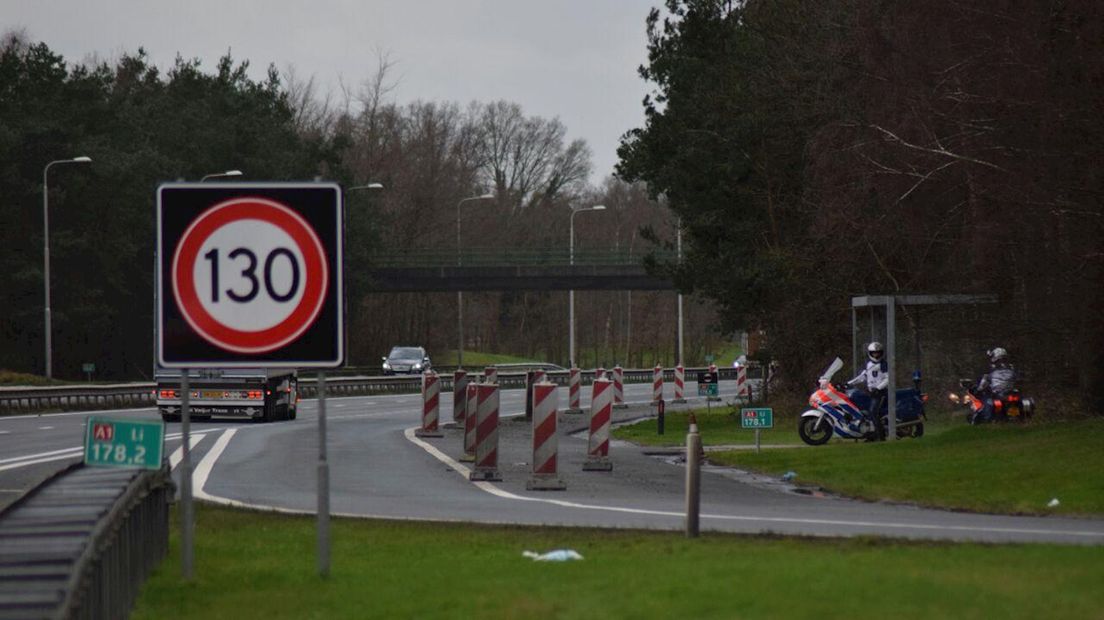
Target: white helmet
(997, 354)
(874, 351)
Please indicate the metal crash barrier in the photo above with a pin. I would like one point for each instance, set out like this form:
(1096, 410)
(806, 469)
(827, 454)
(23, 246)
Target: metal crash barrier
(81, 544)
(14, 400)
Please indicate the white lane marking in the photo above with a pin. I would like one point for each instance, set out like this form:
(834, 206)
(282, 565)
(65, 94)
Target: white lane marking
(178, 454)
(54, 455)
(4, 432)
(493, 490)
(70, 455)
(199, 477)
(45, 428)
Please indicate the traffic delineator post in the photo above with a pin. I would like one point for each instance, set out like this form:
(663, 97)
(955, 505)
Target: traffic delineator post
(680, 384)
(713, 371)
(574, 391)
(470, 421)
(741, 381)
(486, 435)
(459, 395)
(545, 440)
(431, 405)
(619, 388)
(601, 412)
(657, 384)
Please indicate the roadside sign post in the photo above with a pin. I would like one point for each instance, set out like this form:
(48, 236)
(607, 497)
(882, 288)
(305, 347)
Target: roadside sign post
(250, 274)
(187, 528)
(88, 368)
(757, 418)
(709, 387)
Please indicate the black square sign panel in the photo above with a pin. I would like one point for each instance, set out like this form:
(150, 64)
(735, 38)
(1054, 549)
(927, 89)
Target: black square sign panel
(249, 274)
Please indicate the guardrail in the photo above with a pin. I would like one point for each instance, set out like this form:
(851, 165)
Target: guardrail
(15, 400)
(81, 544)
(514, 257)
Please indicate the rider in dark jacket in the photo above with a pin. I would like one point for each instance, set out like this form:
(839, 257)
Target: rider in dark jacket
(997, 383)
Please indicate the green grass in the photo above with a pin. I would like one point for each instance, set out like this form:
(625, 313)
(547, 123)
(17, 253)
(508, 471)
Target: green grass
(8, 377)
(256, 565)
(718, 427)
(477, 358)
(1006, 468)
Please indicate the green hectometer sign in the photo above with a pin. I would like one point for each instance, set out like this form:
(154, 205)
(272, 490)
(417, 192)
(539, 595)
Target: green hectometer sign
(757, 418)
(124, 443)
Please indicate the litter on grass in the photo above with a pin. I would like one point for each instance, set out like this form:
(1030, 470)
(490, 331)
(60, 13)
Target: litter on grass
(559, 555)
(1053, 503)
(788, 476)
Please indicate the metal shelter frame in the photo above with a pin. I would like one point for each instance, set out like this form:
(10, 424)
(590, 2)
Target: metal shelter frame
(890, 303)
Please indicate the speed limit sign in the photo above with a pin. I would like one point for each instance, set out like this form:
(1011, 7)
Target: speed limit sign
(249, 274)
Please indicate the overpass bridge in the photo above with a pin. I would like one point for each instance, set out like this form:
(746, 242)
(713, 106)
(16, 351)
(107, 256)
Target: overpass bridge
(549, 269)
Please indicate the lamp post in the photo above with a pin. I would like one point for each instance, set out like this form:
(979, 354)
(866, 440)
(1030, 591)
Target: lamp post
(460, 294)
(571, 292)
(215, 175)
(679, 247)
(372, 186)
(46, 254)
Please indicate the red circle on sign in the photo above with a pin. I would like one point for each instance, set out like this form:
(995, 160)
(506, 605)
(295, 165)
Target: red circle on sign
(230, 338)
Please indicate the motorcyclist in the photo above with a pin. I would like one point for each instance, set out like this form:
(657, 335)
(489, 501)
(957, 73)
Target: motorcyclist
(997, 383)
(876, 378)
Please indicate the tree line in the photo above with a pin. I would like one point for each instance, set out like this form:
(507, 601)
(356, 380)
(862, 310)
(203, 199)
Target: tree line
(846, 147)
(141, 127)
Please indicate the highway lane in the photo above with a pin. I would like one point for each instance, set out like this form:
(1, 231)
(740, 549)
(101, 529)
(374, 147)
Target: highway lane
(379, 469)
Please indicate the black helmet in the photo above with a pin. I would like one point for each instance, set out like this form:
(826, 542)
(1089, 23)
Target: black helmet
(874, 351)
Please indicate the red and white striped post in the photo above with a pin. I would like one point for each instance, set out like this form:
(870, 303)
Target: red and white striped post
(680, 384)
(490, 374)
(431, 405)
(741, 381)
(574, 391)
(599, 373)
(619, 388)
(545, 441)
(657, 384)
(601, 411)
(486, 434)
(459, 395)
(472, 404)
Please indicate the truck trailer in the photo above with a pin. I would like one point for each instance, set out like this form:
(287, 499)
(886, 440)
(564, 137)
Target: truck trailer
(261, 394)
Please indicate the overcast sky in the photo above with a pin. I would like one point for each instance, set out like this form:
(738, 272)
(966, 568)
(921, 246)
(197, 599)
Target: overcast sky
(571, 59)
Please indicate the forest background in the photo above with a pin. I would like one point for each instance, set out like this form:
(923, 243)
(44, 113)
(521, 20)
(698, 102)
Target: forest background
(810, 152)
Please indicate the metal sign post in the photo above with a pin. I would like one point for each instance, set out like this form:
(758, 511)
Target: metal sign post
(757, 418)
(323, 484)
(187, 528)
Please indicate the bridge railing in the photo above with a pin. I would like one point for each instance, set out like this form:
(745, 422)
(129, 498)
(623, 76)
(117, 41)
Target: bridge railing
(520, 257)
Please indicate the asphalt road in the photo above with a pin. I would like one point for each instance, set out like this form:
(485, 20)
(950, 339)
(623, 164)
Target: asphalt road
(379, 469)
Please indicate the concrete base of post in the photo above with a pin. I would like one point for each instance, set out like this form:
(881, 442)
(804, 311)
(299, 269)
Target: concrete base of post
(545, 482)
(485, 475)
(679, 401)
(598, 463)
(621, 406)
(424, 434)
(573, 411)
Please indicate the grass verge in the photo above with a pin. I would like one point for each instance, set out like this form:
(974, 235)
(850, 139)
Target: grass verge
(1006, 468)
(719, 425)
(256, 565)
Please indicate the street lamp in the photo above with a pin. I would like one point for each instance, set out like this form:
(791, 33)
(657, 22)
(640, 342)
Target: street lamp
(571, 292)
(46, 252)
(460, 294)
(215, 175)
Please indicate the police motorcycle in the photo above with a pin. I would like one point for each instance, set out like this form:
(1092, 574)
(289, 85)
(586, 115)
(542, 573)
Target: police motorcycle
(1014, 407)
(837, 409)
